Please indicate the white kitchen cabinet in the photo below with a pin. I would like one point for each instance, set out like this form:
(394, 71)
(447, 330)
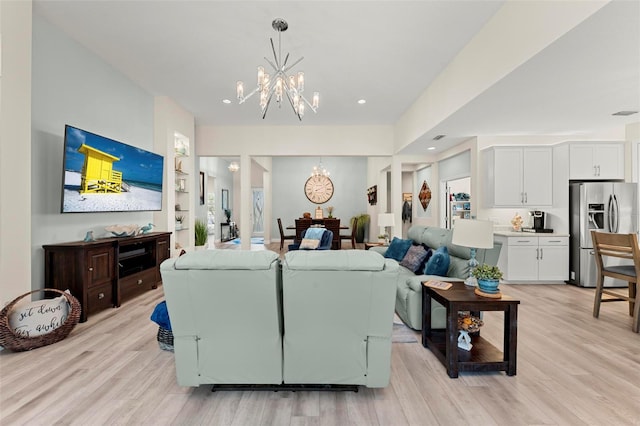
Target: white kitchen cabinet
(553, 258)
(596, 161)
(518, 176)
(534, 258)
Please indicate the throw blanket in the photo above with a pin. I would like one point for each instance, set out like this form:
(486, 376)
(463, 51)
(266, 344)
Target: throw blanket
(160, 316)
(312, 238)
(314, 233)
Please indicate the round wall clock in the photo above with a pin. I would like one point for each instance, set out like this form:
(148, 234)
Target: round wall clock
(318, 189)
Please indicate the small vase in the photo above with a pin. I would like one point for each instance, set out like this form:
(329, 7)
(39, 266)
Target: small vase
(464, 340)
(488, 286)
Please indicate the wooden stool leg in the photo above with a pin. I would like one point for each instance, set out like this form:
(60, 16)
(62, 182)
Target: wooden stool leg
(598, 298)
(632, 295)
(636, 311)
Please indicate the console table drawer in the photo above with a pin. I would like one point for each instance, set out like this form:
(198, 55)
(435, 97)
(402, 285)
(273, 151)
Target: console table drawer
(137, 283)
(99, 297)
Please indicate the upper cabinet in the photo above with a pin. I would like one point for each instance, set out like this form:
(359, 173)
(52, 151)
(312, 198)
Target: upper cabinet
(518, 176)
(596, 161)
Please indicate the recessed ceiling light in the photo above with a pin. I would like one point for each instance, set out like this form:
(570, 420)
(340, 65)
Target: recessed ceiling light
(431, 148)
(624, 113)
(226, 101)
(362, 101)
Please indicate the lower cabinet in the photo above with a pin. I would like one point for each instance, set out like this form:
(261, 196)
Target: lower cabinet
(534, 258)
(104, 273)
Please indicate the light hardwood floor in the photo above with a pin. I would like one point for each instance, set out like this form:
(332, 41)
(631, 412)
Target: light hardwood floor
(573, 369)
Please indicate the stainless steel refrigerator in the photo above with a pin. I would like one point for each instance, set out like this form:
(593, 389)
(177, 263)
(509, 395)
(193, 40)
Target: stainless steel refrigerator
(603, 206)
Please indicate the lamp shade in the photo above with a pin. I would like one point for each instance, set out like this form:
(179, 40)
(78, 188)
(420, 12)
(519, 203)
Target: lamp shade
(386, 219)
(473, 233)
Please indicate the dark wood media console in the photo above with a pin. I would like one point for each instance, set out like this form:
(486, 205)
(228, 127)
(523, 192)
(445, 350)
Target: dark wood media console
(104, 273)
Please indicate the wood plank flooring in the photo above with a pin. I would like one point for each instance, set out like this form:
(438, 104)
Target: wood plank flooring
(573, 369)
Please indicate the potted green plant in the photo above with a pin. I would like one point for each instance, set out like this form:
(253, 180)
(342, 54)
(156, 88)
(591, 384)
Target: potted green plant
(201, 232)
(227, 213)
(179, 220)
(488, 277)
(363, 223)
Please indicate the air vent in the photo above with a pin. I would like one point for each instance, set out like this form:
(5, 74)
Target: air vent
(437, 138)
(625, 113)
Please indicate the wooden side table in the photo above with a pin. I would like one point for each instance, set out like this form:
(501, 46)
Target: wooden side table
(444, 343)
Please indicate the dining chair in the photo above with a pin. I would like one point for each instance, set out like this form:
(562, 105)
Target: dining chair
(352, 236)
(625, 246)
(301, 226)
(333, 225)
(283, 236)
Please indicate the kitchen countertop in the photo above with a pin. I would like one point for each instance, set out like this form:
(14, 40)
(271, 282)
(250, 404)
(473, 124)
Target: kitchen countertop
(529, 234)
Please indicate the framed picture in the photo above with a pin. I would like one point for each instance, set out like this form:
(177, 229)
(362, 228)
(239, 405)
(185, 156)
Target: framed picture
(225, 199)
(201, 188)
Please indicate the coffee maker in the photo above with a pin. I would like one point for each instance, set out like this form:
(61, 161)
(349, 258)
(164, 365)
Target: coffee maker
(538, 219)
(538, 222)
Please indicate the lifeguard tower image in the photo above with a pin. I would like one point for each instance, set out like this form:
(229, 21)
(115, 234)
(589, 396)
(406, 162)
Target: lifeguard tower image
(98, 175)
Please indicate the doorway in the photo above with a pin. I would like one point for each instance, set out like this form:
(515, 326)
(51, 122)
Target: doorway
(258, 212)
(457, 202)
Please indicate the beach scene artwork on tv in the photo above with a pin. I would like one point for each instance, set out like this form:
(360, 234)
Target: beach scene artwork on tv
(104, 175)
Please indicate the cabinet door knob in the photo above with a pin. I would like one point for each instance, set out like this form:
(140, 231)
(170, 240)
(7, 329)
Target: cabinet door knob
(90, 269)
(139, 282)
(100, 295)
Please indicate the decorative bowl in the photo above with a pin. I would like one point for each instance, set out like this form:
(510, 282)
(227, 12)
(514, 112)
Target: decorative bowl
(122, 230)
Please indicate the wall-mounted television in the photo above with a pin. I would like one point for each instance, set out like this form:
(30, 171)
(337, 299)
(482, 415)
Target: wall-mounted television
(104, 175)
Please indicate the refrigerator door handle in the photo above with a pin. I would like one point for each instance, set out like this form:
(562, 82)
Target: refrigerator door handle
(615, 213)
(609, 210)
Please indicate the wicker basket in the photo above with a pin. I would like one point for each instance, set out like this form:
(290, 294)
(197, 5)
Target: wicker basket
(165, 339)
(16, 343)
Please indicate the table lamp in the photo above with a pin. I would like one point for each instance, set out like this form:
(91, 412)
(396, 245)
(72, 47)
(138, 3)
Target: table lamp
(474, 234)
(384, 220)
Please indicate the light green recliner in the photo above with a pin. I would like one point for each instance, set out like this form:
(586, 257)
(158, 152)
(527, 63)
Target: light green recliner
(338, 317)
(224, 307)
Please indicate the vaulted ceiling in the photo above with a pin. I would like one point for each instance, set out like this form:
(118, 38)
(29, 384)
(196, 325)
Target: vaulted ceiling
(387, 52)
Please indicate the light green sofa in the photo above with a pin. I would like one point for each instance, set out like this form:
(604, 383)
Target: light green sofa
(409, 291)
(338, 317)
(322, 317)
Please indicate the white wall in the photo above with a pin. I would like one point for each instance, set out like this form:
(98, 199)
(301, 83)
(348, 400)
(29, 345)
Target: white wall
(349, 177)
(225, 141)
(73, 86)
(15, 150)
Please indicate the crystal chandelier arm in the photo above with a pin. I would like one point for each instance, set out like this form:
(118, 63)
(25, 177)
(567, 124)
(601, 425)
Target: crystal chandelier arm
(244, 98)
(293, 65)
(272, 65)
(275, 57)
(314, 109)
(266, 108)
(291, 103)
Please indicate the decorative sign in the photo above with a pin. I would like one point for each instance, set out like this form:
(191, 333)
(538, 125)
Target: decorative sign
(425, 195)
(372, 195)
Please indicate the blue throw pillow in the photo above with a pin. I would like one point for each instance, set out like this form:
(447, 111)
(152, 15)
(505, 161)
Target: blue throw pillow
(439, 263)
(397, 249)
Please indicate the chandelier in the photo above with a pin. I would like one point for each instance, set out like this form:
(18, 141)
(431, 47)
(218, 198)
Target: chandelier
(319, 170)
(233, 167)
(280, 85)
